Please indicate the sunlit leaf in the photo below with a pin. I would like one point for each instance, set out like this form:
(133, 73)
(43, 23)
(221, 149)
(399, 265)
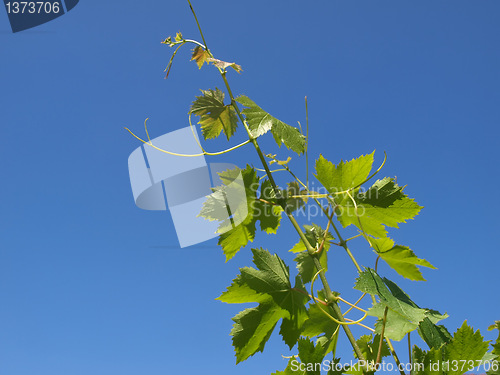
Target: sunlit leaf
(403, 315)
(215, 117)
(260, 122)
(345, 175)
(200, 56)
(400, 258)
(224, 65)
(384, 204)
(269, 285)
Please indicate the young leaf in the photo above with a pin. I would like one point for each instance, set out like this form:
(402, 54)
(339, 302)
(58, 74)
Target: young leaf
(400, 258)
(200, 56)
(168, 41)
(224, 65)
(215, 117)
(260, 122)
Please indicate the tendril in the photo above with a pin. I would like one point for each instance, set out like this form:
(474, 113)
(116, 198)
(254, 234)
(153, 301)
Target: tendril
(326, 313)
(150, 143)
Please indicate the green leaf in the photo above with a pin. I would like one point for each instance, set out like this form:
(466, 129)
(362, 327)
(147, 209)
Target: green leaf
(427, 363)
(291, 369)
(466, 345)
(396, 327)
(318, 323)
(260, 122)
(267, 191)
(215, 207)
(369, 346)
(253, 327)
(200, 56)
(273, 277)
(344, 176)
(239, 292)
(494, 358)
(234, 198)
(434, 336)
(400, 258)
(291, 327)
(306, 267)
(269, 215)
(215, 117)
(235, 205)
(403, 315)
(383, 193)
(357, 369)
(384, 204)
(234, 237)
(462, 353)
(269, 285)
(496, 346)
(335, 367)
(237, 219)
(311, 356)
(233, 240)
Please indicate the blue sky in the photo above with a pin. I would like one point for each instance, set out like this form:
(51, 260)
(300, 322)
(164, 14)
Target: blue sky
(89, 283)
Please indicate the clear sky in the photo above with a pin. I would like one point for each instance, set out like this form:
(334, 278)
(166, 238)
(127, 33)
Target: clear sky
(91, 284)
